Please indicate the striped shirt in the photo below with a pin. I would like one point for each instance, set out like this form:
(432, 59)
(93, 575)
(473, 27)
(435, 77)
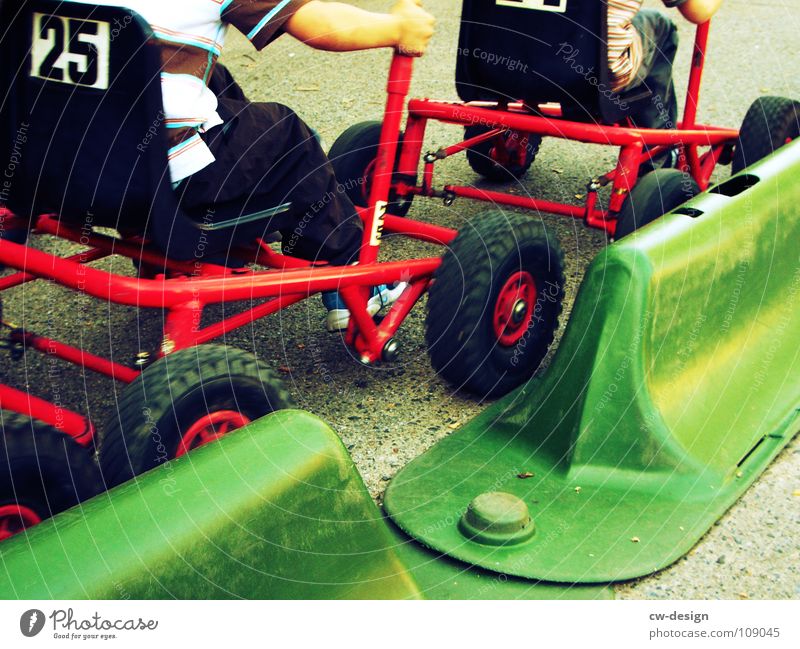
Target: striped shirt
(191, 34)
(624, 41)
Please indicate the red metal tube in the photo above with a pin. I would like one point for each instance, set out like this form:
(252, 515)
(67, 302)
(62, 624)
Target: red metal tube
(368, 339)
(71, 423)
(268, 257)
(411, 151)
(10, 221)
(466, 144)
(397, 91)
(85, 257)
(132, 249)
(75, 356)
(695, 76)
(161, 293)
(400, 309)
(418, 230)
(246, 317)
(579, 131)
(549, 207)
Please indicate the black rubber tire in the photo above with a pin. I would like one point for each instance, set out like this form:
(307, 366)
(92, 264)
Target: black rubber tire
(768, 124)
(463, 345)
(352, 153)
(656, 193)
(155, 410)
(480, 159)
(43, 468)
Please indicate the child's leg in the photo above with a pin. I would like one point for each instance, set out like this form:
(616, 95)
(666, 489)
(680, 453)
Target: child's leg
(660, 43)
(266, 156)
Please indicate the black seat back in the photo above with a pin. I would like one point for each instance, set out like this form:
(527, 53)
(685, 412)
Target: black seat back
(539, 51)
(82, 118)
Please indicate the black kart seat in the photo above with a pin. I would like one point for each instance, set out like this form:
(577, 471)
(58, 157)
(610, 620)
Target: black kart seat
(540, 51)
(88, 95)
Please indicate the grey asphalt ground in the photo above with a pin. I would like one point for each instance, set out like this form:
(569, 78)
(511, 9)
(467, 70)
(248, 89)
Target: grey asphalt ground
(389, 414)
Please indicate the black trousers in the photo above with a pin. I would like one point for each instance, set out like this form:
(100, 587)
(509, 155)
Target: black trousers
(267, 156)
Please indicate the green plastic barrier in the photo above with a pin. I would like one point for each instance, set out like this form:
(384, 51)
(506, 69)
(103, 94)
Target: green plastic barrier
(274, 511)
(675, 385)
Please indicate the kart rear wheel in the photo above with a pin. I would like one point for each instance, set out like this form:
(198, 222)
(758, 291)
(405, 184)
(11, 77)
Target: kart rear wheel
(42, 472)
(183, 401)
(497, 159)
(494, 304)
(656, 193)
(770, 123)
(353, 158)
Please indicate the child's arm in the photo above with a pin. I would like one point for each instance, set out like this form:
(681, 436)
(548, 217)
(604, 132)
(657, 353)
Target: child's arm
(342, 27)
(699, 11)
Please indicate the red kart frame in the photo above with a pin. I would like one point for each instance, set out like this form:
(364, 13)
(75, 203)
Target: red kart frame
(191, 286)
(688, 137)
(288, 280)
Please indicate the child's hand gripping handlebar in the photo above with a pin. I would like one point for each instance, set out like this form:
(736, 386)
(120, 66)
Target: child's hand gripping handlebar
(414, 25)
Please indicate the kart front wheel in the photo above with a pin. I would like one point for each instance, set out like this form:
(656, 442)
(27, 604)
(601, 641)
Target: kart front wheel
(185, 400)
(42, 472)
(494, 304)
(770, 123)
(655, 194)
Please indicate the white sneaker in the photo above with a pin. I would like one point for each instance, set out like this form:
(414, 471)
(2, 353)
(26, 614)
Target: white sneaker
(339, 318)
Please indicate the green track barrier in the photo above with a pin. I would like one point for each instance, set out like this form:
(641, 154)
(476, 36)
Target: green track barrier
(274, 511)
(675, 385)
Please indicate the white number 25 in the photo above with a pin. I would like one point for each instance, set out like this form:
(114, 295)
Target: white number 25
(70, 50)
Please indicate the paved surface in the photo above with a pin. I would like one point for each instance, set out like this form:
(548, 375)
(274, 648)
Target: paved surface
(388, 415)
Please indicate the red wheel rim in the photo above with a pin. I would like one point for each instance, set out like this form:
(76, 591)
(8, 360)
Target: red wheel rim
(509, 148)
(513, 311)
(16, 518)
(210, 427)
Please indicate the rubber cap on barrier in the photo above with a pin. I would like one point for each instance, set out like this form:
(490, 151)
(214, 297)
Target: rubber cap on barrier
(673, 388)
